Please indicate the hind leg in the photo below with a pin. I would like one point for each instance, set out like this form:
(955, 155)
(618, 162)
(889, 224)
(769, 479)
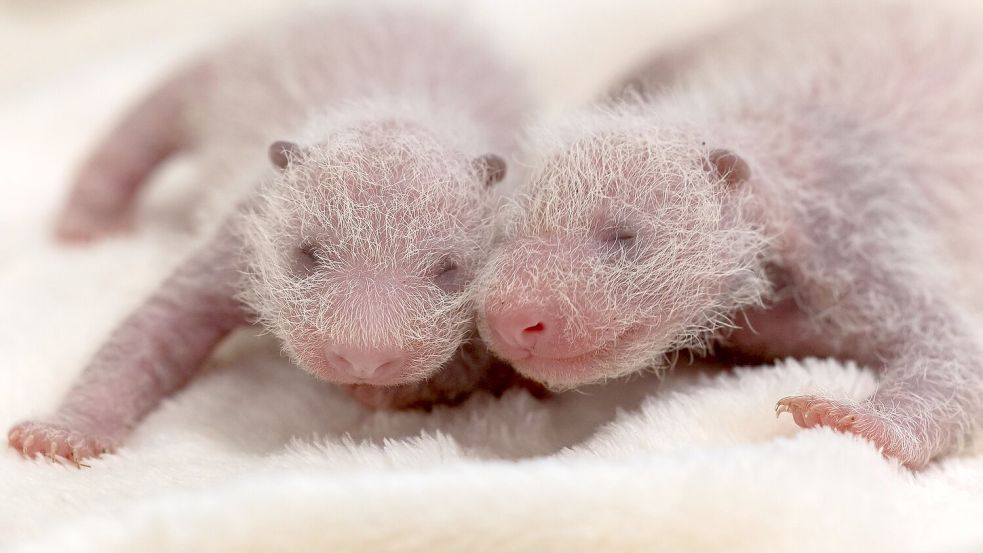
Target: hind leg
(108, 182)
(105, 189)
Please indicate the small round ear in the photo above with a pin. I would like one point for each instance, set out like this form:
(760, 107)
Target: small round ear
(729, 166)
(281, 152)
(490, 168)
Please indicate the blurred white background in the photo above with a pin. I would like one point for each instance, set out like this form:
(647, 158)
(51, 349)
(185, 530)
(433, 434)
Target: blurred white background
(67, 67)
(569, 40)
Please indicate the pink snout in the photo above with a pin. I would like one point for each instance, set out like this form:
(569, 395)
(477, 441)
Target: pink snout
(367, 364)
(534, 330)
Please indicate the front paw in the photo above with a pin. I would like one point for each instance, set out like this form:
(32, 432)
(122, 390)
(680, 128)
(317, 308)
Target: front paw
(57, 441)
(895, 435)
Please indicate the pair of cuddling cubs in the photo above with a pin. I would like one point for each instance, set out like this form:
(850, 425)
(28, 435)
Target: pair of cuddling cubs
(767, 201)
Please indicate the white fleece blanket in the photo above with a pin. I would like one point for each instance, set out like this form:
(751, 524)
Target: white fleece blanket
(256, 456)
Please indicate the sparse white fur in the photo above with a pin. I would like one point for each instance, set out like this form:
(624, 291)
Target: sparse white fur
(337, 67)
(590, 189)
(862, 126)
(385, 197)
(400, 107)
(356, 249)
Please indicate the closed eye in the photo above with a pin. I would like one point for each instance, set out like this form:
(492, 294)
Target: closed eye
(617, 235)
(306, 259)
(448, 275)
(619, 244)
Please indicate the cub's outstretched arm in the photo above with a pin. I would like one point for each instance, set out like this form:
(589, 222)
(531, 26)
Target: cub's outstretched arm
(152, 353)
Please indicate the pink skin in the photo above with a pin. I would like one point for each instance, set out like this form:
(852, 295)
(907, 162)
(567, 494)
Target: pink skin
(566, 337)
(565, 310)
(854, 198)
(472, 368)
(109, 181)
(357, 247)
(153, 353)
(163, 344)
(540, 342)
(311, 275)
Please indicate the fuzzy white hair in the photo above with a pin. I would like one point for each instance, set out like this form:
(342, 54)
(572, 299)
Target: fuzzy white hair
(615, 166)
(390, 106)
(862, 126)
(340, 65)
(394, 55)
(384, 203)
(875, 177)
(847, 162)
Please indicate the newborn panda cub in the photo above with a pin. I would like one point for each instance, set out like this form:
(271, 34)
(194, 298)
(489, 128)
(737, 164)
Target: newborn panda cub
(356, 245)
(779, 198)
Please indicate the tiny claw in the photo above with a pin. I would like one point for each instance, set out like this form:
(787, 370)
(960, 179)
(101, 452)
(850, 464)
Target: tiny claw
(782, 407)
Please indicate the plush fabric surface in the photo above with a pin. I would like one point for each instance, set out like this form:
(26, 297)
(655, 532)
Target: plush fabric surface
(256, 456)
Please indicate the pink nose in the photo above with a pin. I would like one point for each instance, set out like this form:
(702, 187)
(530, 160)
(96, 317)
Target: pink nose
(529, 329)
(366, 363)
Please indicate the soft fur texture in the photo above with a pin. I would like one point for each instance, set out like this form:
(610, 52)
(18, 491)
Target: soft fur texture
(384, 207)
(626, 301)
(257, 456)
(358, 243)
(383, 190)
(791, 188)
